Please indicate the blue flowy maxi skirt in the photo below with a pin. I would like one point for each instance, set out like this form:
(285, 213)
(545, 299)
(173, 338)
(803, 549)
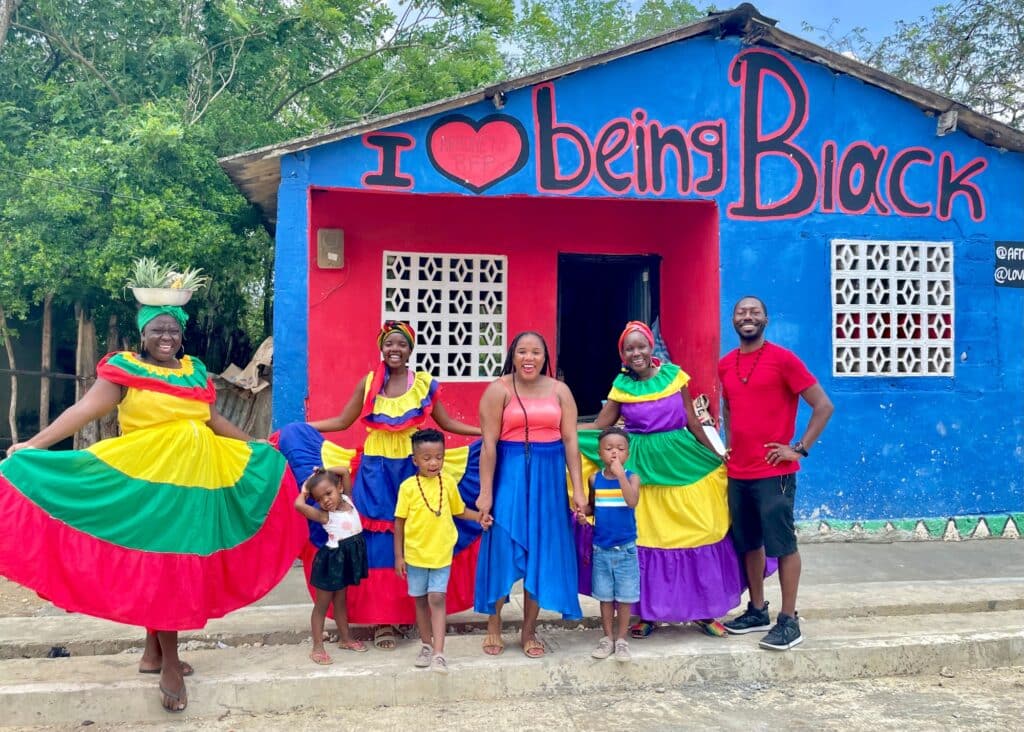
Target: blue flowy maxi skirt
(531, 538)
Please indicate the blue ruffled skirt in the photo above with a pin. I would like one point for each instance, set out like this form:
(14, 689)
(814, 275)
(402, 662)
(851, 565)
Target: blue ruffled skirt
(531, 538)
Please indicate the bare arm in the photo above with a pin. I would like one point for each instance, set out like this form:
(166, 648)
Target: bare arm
(630, 489)
(449, 424)
(492, 403)
(726, 428)
(102, 397)
(821, 412)
(348, 415)
(311, 512)
(400, 546)
(223, 427)
(570, 441)
(608, 416)
(693, 422)
(346, 478)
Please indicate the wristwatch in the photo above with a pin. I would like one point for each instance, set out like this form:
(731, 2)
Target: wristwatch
(799, 447)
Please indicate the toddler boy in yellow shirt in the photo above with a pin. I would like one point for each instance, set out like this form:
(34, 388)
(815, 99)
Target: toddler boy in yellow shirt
(425, 536)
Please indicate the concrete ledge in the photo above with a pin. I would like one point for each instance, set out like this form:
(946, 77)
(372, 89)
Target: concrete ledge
(107, 689)
(289, 624)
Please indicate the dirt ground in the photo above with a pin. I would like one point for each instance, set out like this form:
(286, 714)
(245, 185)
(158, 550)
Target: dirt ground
(16, 601)
(975, 700)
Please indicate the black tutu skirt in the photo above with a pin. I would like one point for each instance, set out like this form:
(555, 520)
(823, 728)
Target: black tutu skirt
(338, 568)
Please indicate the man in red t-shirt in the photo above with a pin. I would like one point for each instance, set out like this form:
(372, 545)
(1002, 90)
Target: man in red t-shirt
(761, 387)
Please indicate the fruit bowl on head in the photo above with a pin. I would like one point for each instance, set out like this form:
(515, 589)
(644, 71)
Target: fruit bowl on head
(162, 295)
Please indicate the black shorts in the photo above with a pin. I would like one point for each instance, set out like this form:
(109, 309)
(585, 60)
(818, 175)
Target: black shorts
(762, 514)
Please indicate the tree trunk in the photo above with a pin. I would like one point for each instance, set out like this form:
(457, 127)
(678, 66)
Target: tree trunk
(85, 370)
(108, 423)
(12, 411)
(7, 8)
(46, 362)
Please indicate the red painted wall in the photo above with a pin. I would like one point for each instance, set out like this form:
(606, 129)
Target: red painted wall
(345, 304)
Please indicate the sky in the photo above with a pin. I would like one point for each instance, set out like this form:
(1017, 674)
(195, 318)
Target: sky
(877, 17)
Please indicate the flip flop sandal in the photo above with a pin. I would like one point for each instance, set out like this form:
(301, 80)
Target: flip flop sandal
(186, 669)
(321, 658)
(713, 628)
(493, 642)
(176, 698)
(641, 629)
(534, 649)
(383, 635)
(354, 645)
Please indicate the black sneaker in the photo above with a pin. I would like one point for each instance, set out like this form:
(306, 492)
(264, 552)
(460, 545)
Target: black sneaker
(784, 635)
(754, 620)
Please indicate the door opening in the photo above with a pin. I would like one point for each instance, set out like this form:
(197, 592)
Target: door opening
(597, 296)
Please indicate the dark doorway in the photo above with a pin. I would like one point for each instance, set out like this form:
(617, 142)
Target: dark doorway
(597, 296)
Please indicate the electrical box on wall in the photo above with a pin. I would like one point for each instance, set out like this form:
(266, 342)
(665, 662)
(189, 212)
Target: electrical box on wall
(330, 248)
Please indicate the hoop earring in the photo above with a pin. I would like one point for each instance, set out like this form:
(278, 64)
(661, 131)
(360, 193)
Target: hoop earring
(181, 351)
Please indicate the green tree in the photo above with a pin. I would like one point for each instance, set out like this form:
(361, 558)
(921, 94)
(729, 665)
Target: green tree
(970, 50)
(552, 32)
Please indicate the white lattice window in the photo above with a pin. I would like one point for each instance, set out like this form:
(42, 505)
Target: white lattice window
(456, 303)
(892, 308)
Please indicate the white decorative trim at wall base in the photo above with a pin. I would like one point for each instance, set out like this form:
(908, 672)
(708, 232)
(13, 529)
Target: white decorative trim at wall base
(954, 528)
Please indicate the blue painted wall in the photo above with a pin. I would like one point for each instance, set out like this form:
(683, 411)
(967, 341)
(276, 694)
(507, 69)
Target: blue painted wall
(896, 447)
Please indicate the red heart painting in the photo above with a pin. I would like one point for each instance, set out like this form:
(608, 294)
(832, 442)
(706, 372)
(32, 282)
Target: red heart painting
(477, 154)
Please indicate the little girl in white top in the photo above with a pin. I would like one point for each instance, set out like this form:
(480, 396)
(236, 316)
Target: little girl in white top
(340, 562)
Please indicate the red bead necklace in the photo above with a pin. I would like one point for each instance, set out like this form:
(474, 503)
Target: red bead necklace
(440, 494)
(757, 358)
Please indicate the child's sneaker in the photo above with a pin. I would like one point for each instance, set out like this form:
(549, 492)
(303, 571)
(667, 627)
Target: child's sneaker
(622, 654)
(439, 664)
(751, 621)
(604, 648)
(784, 635)
(423, 659)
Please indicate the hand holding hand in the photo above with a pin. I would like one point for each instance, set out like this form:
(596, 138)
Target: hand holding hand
(486, 521)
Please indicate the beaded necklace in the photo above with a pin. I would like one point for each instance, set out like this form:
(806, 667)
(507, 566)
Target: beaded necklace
(757, 358)
(440, 494)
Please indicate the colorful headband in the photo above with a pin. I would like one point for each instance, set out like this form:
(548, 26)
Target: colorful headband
(148, 312)
(396, 326)
(636, 326)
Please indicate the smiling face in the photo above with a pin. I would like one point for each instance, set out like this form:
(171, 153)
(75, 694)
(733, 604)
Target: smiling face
(428, 457)
(529, 357)
(395, 351)
(637, 352)
(749, 319)
(161, 339)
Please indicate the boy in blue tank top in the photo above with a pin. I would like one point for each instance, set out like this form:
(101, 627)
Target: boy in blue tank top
(614, 493)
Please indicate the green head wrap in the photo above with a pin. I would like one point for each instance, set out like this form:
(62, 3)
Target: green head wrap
(148, 312)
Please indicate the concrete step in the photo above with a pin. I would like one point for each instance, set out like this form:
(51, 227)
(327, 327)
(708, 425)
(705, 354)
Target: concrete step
(107, 689)
(288, 623)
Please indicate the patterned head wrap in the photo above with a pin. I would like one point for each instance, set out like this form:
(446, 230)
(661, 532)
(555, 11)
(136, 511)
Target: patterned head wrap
(636, 326)
(148, 312)
(396, 326)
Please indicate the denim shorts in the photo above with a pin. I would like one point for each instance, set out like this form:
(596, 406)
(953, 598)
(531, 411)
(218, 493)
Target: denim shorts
(616, 574)
(422, 580)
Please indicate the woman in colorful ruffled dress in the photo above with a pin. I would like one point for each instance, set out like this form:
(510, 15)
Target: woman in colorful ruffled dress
(181, 519)
(688, 567)
(391, 402)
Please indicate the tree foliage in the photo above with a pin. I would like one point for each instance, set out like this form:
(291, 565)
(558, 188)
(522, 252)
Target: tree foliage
(551, 32)
(113, 114)
(970, 50)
